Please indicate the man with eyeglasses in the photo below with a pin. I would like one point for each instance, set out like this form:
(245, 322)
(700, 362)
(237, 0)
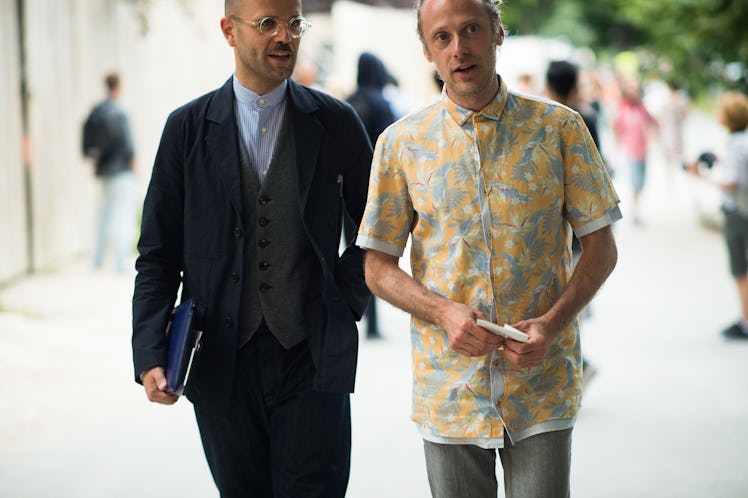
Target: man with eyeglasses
(245, 206)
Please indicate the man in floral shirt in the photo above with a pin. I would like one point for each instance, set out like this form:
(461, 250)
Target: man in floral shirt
(489, 186)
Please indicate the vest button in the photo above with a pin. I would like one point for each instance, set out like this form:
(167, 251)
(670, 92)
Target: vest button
(263, 222)
(234, 277)
(264, 265)
(229, 322)
(264, 243)
(263, 200)
(237, 232)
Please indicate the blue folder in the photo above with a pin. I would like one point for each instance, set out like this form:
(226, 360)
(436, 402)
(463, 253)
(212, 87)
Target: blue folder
(184, 344)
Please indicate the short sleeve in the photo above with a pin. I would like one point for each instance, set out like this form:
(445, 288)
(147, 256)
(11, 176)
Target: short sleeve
(388, 215)
(590, 200)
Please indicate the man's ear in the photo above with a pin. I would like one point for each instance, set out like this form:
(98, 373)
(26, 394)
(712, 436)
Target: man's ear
(426, 53)
(500, 34)
(227, 28)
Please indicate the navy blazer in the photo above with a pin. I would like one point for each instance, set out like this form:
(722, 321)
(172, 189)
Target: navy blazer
(192, 233)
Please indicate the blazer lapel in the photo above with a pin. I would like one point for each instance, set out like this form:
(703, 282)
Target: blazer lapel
(223, 144)
(307, 137)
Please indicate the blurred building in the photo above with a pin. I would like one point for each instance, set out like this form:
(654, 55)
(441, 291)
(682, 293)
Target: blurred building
(55, 54)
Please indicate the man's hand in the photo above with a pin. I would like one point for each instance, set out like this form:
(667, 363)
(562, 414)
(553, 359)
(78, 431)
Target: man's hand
(154, 382)
(531, 353)
(465, 336)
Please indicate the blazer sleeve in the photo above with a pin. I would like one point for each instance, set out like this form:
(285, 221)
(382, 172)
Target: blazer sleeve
(159, 264)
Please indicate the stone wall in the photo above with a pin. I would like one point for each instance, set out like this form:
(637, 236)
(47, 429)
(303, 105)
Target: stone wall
(72, 44)
(13, 256)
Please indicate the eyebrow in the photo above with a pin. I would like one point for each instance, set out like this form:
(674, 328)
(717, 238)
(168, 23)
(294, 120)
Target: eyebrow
(472, 20)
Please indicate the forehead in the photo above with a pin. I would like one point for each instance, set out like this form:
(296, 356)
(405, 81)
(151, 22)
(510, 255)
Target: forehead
(278, 8)
(437, 14)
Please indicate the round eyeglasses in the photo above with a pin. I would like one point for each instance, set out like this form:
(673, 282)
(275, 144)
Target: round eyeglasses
(270, 26)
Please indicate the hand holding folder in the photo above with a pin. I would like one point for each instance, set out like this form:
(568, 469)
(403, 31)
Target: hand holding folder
(184, 344)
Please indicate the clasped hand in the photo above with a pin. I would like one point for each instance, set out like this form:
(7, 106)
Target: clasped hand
(468, 338)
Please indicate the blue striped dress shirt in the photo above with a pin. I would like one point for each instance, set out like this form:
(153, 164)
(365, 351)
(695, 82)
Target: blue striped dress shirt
(259, 119)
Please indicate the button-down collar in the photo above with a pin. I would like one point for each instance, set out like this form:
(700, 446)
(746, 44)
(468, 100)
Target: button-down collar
(491, 111)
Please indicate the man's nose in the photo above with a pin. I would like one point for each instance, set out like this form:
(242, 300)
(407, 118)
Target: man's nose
(458, 46)
(283, 34)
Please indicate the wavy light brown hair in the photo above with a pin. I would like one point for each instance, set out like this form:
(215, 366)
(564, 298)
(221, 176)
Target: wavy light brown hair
(493, 7)
(733, 107)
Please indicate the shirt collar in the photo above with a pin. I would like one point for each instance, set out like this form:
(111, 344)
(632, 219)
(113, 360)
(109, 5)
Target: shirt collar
(491, 111)
(247, 97)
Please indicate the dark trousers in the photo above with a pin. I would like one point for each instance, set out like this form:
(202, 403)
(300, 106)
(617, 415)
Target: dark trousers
(280, 438)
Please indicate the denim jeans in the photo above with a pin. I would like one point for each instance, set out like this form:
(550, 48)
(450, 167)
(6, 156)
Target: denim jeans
(116, 219)
(536, 467)
(280, 438)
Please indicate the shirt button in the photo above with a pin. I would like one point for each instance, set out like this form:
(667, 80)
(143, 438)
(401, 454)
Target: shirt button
(264, 130)
(263, 243)
(264, 265)
(237, 232)
(263, 222)
(262, 101)
(234, 277)
(263, 200)
(496, 363)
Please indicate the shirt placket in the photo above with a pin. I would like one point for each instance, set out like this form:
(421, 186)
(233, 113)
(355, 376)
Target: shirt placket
(483, 129)
(263, 123)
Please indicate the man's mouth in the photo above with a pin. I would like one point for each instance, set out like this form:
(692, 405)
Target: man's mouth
(281, 52)
(464, 68)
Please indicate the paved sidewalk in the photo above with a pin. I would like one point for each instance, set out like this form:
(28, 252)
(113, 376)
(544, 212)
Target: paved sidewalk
(666, 416)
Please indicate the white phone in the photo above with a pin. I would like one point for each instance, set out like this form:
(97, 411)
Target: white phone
(505, 331)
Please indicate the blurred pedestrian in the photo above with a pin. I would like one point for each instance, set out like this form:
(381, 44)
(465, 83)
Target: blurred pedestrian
(306, 73)
(632, 126)
(244, 208)
(107, 140)
(562, 85)
(376, 113)
(489, 184)
(561, 79)
(731, 176)
(671, 117)
(526, 84)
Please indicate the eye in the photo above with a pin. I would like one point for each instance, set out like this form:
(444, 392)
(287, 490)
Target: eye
(441, 37)
(268, 25)
(472, 28)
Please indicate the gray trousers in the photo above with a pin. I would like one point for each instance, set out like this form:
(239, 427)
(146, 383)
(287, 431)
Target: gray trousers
(536, 467)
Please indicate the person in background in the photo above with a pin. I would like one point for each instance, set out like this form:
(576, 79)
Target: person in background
(632, 125)
(376, 113)
(526, 84)
(306, 73)
(107, 139)
(244, 209)
(731, 177)
(562, 85)
(671, 118)
(488, 185)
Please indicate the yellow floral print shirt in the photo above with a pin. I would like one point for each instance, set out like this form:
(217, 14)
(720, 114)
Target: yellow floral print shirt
(489, 199)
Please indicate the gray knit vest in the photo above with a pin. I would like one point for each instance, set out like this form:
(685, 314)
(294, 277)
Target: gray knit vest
(279, 261)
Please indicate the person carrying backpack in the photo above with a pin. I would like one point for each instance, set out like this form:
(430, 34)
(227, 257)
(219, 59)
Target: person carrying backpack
(107, 140)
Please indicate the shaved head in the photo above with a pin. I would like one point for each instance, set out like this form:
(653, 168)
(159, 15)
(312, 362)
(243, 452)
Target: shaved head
(230, 6)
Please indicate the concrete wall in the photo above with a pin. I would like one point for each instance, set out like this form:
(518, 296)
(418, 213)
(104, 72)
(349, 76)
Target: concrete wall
(13, 259)
(72, 44)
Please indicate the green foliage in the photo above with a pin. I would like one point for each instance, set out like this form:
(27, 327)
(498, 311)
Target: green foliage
(688, 40)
